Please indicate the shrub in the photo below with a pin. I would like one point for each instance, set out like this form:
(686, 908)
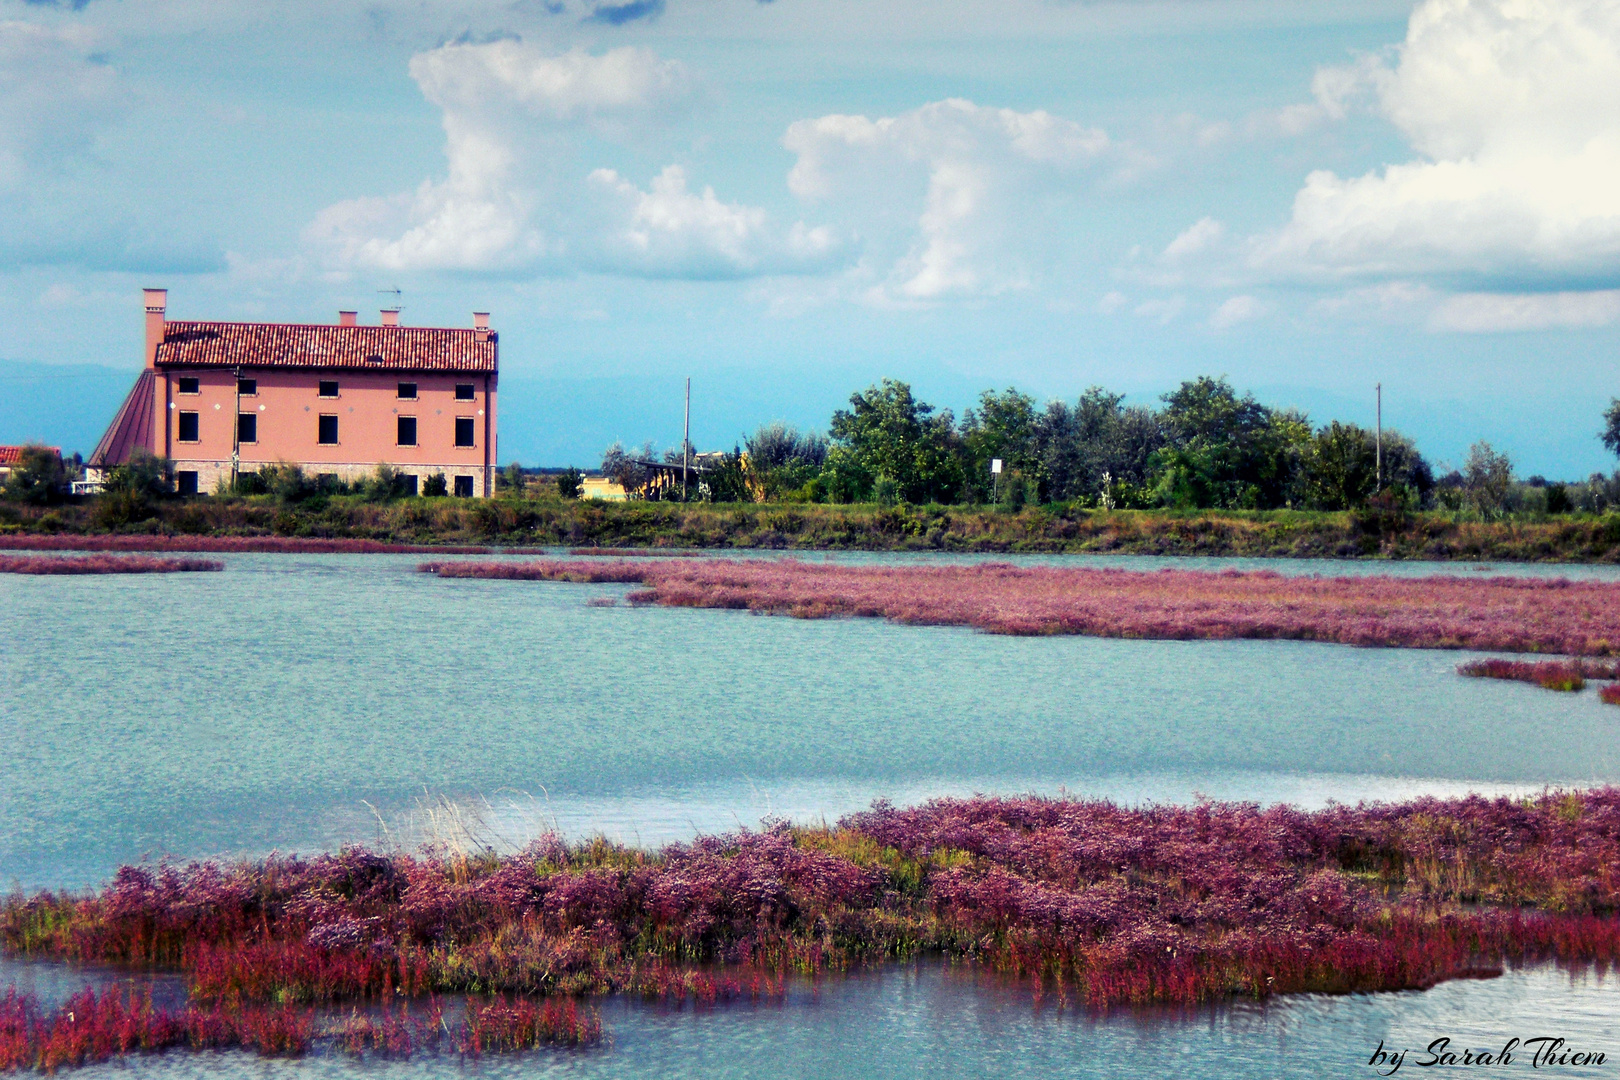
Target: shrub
(38, 477)
(385, 484)
(435, 486)
(568, 484)
(885, 491)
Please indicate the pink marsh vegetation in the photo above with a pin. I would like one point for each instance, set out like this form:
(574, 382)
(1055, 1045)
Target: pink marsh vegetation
(1568, 675)
(1441, 612)
(1103, 905)
(91, 1027)
(102, 564)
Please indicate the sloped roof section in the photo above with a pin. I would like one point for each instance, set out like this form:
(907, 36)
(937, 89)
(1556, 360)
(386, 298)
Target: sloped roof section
(351, 348)
(11, 455)
(131, 428)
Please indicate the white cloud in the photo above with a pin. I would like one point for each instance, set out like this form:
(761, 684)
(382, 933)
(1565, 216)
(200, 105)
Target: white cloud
(1112, 301)
(611, 90)
(669, 229)
(1497, 312)
(1196, 239)
(1237, 309)
(517, 195)
(1163, 310)
(948, 196)
(55, 95)
(1514, 106)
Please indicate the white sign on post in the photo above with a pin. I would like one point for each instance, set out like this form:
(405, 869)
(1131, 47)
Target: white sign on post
(995, 465)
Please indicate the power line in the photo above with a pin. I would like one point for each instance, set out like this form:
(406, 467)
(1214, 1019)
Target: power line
(39, 378)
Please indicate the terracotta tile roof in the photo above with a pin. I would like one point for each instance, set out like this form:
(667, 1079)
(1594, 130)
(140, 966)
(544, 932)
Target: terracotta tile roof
(132, 427)
(10, 455)
(358, 348)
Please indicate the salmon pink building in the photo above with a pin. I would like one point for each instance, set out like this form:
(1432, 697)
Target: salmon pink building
(218, 398)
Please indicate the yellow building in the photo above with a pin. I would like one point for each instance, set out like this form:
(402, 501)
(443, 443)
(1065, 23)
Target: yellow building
(600, 487)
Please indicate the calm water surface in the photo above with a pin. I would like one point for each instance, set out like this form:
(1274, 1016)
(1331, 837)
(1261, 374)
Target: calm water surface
(299, 702)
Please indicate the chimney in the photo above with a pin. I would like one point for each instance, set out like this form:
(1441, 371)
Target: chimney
(348, 318)
(390, 316)
(480, 326)
(157, 304)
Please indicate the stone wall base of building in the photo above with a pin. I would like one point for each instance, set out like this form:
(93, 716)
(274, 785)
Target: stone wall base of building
(193, 476)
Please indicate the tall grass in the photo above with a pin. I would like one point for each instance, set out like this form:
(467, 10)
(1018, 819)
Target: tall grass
(1439, 612)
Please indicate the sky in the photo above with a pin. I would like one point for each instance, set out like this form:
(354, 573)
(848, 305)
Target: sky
(789, 200)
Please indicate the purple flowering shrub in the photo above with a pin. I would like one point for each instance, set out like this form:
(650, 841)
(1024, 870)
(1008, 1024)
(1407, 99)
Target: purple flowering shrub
(1110, 905)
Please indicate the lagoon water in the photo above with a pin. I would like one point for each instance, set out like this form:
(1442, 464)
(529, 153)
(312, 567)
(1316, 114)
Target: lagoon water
(301, 702)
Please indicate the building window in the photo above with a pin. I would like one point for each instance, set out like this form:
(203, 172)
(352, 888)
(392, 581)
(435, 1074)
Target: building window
(185, 482)
(188, 427)
(407, 431)
(247, 427)
(188, 386)
(329, 388)
(464, 431)
(407, 391)
(464, 391)
(464, 487)
(247, 387)
(328, 432)
(410, 485)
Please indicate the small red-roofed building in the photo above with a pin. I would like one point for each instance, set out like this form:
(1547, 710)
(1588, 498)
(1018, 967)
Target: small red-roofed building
(221, 398)
(11, 457)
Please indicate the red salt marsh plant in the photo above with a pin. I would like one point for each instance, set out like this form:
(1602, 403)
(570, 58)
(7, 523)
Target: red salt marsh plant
(1610, 694)
(102, 564)
(1442, 612)
(91, 1027)
(1108, 905)
(1549, 674)
(638, 553)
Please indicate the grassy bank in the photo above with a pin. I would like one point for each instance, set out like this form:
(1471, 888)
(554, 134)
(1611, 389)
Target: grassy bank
(529, 522)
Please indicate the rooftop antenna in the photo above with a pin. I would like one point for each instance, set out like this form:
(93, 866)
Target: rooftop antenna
(396, 292)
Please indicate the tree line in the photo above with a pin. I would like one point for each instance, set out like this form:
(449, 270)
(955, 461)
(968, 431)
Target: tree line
(1206, 446)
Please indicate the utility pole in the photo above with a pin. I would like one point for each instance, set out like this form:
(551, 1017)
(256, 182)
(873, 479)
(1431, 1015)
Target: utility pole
(1378, 445)
(236, 434)
(686, 440)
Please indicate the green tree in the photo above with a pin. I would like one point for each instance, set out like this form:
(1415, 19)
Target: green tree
(727, 481)
(1339, 468)
(512, 480)
(1611, 426)
(1004, 426)
(1225, 450)
(1099, 436)
(784, 459)
(568, 483)
(887, 432)
(1487, 478)
(38, 477)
